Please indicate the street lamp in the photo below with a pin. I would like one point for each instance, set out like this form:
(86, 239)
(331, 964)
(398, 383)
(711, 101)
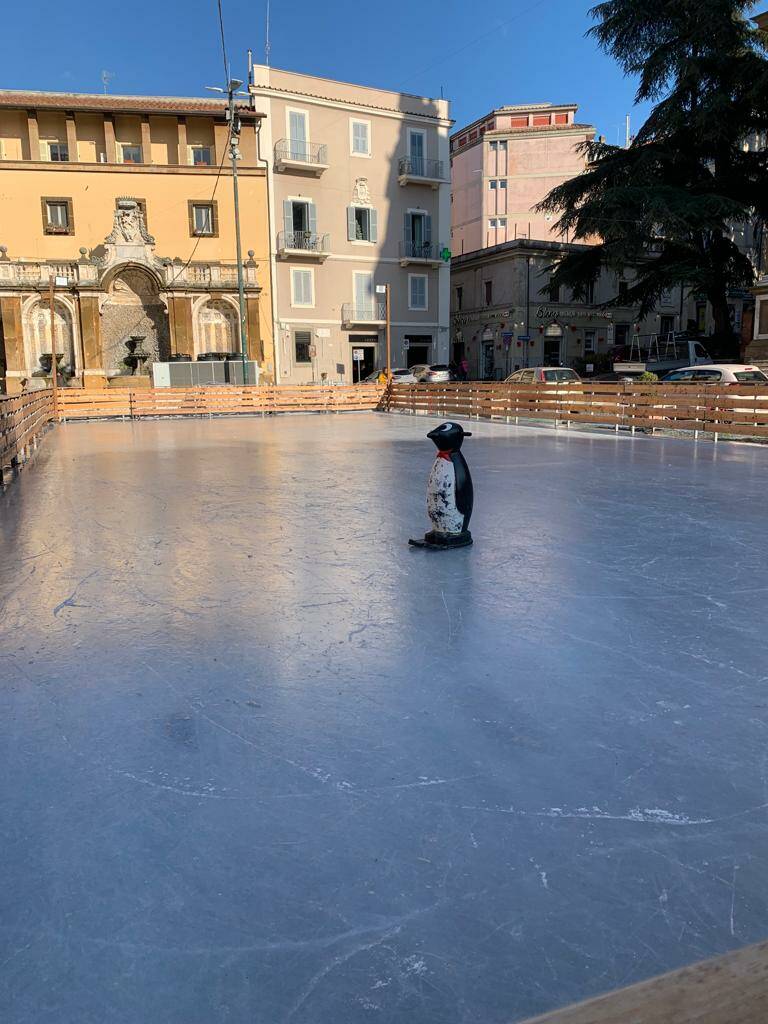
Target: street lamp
(234, 139)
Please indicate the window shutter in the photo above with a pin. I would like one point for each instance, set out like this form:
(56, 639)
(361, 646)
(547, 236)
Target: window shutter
(287, 217)
(408, 226)
(312, 217)
(351, 224)
(373, 226)
(427, 229)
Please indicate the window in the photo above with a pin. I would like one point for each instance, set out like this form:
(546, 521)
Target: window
(362, 224)
(57, 216)
(621, 334)
(623, 289)
(503, 183)
(463, 140)
(203, 219)
(502, 222)
(492, 185)
(58, 152)
(297, 123)
(459, 297)
(667, 297)
(554, 292)
(488, 285)
(589, 293)
(417, 291)
(589, 342)
(494, 147)
(492, 223)
(519, 122)
(131, 154)
(303, 346)
(202, 156)
(302, 288)
(360, 138)
(502, 147)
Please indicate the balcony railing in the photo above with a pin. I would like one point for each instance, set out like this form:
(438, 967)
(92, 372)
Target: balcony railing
(312, 155)
(427, 252)
(370, 313)
(420, 167)
(29, 274)
(308, 242)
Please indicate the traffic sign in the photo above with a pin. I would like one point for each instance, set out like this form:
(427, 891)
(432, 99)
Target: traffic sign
(357, 355)
(523, 337)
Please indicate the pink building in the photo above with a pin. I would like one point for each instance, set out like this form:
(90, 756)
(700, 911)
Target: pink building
(503, 164)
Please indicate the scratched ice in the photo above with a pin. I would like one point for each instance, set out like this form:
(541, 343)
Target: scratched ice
(261, 762)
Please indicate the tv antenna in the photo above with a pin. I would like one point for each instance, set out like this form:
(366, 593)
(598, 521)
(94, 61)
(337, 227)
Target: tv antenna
(106, 78)
(266, 37)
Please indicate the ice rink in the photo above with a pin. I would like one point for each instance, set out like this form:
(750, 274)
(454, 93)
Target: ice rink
(262, 763)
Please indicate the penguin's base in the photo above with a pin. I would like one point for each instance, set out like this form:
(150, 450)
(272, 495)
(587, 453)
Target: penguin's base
(443, 541)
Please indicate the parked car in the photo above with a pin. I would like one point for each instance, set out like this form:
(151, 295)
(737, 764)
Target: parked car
(618, 377)
(717, 373)
(660, 354)
(543, 375)
(399, 376)
(437, 373)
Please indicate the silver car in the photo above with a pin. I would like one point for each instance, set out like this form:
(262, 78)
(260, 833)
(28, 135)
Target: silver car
(437, 373)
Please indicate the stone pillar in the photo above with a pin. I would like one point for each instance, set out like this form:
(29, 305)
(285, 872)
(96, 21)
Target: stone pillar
(109, 139)
(183, 157)
(72, 138)
(220, 136)
(13, 337)
(146, 141)
(255, 342)
(180, 316)
(33, 135)
(90, 337)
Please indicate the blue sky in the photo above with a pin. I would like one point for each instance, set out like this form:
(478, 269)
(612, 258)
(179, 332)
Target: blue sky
(483, 55)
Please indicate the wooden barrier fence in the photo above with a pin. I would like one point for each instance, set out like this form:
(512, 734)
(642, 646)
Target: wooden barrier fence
(22, 420)
(731, 989)
(77, 404)
(734, 411)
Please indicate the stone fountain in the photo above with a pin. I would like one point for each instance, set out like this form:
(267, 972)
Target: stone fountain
(136, 358)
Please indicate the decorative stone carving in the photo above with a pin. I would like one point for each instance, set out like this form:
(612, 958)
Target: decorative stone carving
(361, 194)
(129, 225)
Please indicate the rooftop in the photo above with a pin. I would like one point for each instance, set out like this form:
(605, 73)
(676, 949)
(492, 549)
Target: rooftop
(124, 104)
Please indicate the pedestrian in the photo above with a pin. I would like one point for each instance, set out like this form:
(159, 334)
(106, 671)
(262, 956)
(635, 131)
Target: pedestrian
(464, 368)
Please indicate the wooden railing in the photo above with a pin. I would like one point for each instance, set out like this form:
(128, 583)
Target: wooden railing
(737, 410)
(22, 420)
(732, 989)
(77, 404)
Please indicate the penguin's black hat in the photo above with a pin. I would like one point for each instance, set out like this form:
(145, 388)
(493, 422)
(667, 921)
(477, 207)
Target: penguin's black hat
(448, 437)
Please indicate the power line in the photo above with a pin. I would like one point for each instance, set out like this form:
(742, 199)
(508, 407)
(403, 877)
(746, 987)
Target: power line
(223, 43)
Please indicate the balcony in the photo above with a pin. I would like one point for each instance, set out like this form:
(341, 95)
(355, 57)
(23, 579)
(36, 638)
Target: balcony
(304, 157)
(419, 171)
(425, 254)
(303, 245)
(372, 314)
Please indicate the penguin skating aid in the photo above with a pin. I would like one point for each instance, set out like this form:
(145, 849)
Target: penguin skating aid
(449, 491)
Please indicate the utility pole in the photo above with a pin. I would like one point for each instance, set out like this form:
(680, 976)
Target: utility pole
(628, 137)
(384, 289)
(234, 141)
(54, 365)
(389, 339)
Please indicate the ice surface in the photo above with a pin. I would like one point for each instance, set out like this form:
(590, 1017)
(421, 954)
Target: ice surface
(262, 762)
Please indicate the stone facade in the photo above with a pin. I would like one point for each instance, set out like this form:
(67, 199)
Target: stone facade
(103, 195)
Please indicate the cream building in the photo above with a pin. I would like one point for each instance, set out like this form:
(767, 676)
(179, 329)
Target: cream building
(127, 200)
(359, 197)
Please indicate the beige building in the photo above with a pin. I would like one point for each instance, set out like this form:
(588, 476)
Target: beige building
(359, 198)
(127, 201)
(506, 316)
(506, 162)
